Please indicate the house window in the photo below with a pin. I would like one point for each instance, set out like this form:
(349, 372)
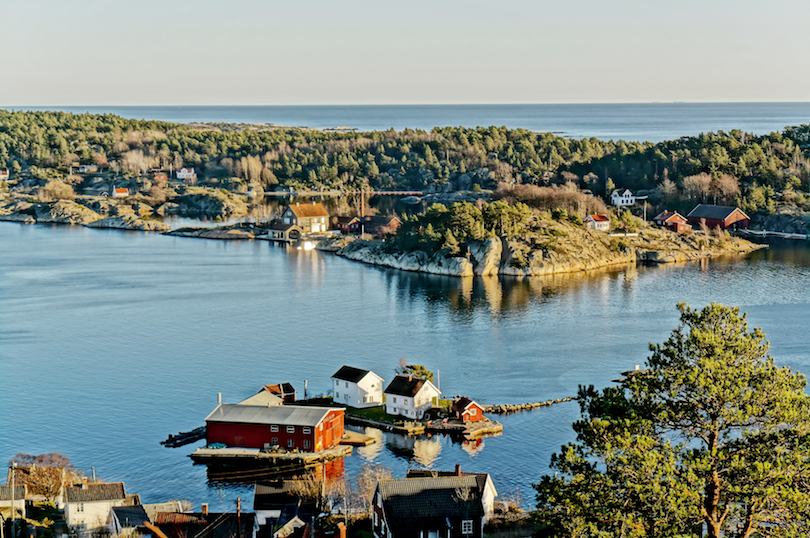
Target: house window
(467, 526)
(337, 395)
(306, 443)
(274, 441)
(290, 443)
(347, 384)
(473, 411)
(307, 430)
(395, 399)
(274, 428)
(290, 429)
(80, 507)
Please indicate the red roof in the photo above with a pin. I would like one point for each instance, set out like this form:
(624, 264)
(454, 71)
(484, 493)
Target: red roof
(600, 218)
(121, 190)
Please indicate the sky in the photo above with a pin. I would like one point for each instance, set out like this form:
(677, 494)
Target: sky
(318, 52)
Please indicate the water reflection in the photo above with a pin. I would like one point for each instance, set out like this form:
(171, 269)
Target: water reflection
(422, 450)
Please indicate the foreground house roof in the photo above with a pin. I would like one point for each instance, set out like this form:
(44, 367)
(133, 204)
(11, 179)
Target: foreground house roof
(113, 491)
(288, 415)
(416, 503)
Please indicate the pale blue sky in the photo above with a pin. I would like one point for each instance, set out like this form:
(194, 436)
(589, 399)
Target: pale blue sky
(252, 52)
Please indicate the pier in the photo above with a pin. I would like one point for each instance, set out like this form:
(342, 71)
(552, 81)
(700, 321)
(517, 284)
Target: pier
(282, 461)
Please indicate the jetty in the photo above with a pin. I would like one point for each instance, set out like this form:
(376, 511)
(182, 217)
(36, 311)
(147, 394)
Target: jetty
(278, 460)
(505, 409)
(184, 438)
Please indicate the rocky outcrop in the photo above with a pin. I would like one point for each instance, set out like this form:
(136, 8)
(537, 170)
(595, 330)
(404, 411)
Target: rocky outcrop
(210, 203)
(130, 222)
(213, 233)
(65, 212)
(372, 252)
(786, 220)
(486, 255)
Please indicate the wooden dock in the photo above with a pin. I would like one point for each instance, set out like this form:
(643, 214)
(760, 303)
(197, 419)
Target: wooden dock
(268, 459)
(351, 438)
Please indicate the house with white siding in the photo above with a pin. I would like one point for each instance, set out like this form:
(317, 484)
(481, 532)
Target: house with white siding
(357, 388)
(410, 396)
(87, 507)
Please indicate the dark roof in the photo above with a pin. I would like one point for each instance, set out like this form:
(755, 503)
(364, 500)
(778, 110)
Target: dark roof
(19, 493)
(417, 503)
(717, 212)
(350, 373)
(480, 478)
(282, 389)
(346, 220)
(130, 516)
(95, 492)
(404, 385)
(462, 403)
(212, 525)
(309, 210)
(283, 227)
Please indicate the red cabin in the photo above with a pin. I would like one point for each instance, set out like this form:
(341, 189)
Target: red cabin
(467, 410)
(726, 217)
(672, 220)
(309, 429)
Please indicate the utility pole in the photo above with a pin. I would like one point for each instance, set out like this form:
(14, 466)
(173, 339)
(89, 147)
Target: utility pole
(13, 497)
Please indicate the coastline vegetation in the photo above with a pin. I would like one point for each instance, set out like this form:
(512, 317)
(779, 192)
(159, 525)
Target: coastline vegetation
(755, 172)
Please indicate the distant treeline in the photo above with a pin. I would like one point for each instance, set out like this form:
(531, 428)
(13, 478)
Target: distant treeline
(733, 167)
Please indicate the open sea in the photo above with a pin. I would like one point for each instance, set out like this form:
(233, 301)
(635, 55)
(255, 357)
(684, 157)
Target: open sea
(651, 122)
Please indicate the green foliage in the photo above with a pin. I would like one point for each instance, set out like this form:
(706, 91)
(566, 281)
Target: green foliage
(711, 433)
(416, 370)
(410, 159)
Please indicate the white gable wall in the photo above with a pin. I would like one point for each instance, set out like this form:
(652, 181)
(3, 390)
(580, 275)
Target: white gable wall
(412, 407)
(365, 393)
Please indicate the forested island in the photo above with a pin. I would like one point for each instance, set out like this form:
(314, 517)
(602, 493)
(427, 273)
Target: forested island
(60, 167)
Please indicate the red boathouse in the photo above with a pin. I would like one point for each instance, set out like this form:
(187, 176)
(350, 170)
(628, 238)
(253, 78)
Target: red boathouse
(309, 429)
(726, 217)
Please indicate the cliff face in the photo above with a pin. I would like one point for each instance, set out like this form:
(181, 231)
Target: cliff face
(571, 249)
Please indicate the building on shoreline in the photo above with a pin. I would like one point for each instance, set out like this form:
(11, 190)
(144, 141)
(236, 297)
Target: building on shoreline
(357, 388)
(310, 218)
(410, 396)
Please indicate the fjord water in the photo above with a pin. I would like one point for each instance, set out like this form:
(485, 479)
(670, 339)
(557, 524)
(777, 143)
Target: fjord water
(111, 340)
(651, 122)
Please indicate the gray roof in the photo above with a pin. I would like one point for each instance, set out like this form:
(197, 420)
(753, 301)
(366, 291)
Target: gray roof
(130, 516)
(286, 415)
(113, 491)
(415, 503)
(19, 492)
(351, 374)
(718, 212)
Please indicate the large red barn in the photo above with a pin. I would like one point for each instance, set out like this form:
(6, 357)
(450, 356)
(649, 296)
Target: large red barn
(309, 429)
(726, 217)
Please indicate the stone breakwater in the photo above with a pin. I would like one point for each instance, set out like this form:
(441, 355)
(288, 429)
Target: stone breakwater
(506, 409)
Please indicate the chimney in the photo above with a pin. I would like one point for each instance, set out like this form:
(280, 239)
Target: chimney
(410, 378)
(84, 482)
(238, 505)
(342, 529)
(219, 397)
(458, 469)
(205, 509)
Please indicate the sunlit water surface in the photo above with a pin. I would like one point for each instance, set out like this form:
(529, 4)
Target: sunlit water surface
(111, 340)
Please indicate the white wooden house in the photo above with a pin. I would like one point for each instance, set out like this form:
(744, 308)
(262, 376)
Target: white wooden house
(87, 507)
(357, 388)
(410, 396)
(623, 199)
(597, 222)
(186, 173)
(310, 218)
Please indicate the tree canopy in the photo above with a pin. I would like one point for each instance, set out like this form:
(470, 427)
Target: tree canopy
(712, 435)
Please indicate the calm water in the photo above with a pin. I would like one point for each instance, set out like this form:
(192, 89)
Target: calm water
(111, 340)
(652, 122)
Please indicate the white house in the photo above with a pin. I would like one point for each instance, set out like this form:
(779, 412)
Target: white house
(410, 396)
(311, 218)
(357, 388)
(186, 173)
(12, 497)
(597, 222)
(119, 192)
(4, 174)
(87, 507)
(623, 199)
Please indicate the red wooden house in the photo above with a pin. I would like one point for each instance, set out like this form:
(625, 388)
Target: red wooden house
(672, 220)
(726, 217)
(467, 410)
(309, 429)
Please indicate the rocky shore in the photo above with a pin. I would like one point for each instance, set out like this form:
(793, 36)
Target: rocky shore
(576, 249)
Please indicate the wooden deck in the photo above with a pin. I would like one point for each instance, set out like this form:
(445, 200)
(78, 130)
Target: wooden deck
(254, 456)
